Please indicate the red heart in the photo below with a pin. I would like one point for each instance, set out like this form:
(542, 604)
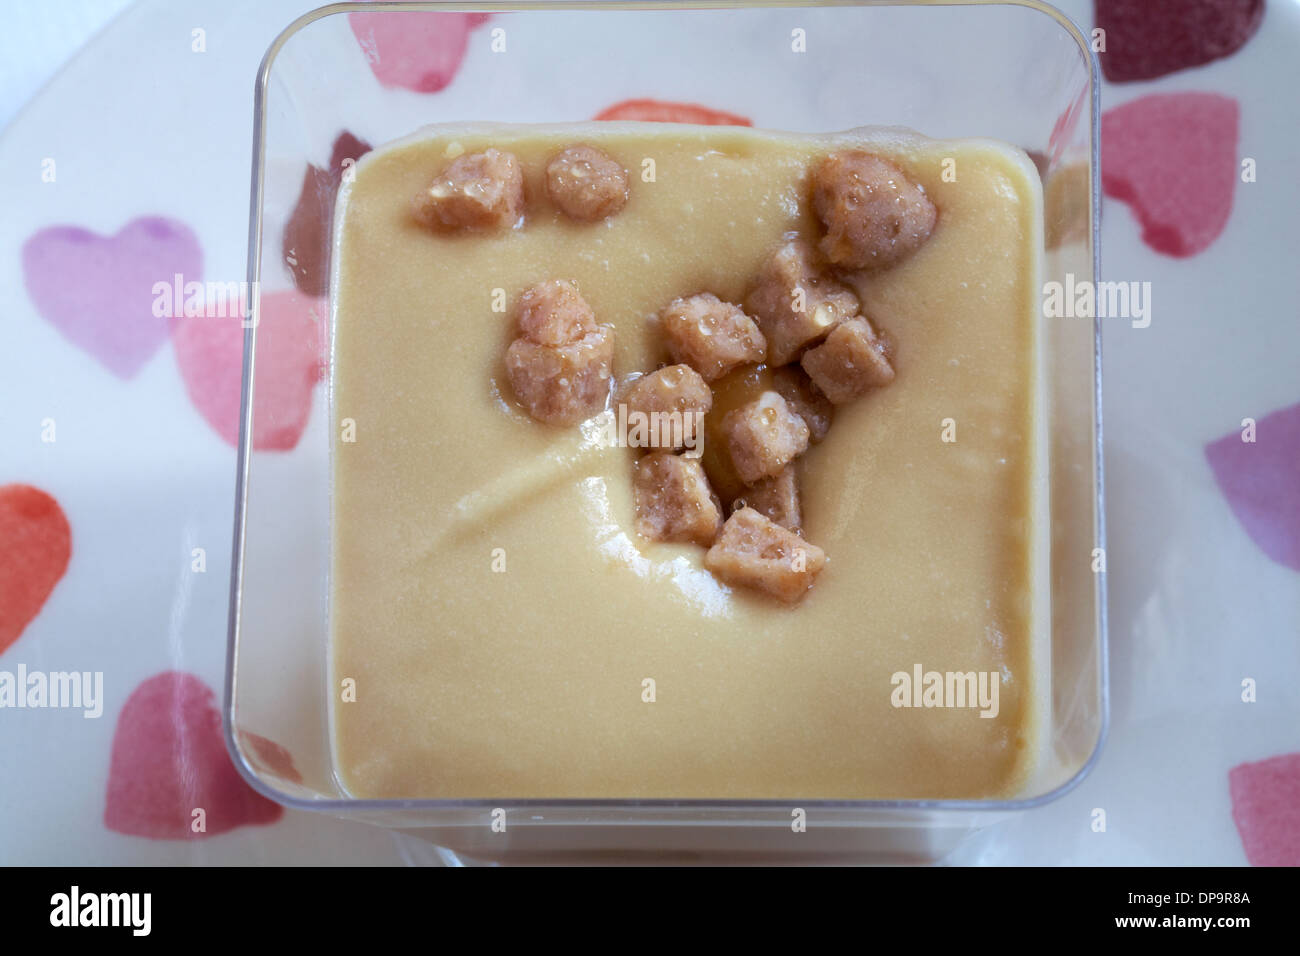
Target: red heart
(269, 757)
(291, 355)
(662, 111)
(1173, 158)
(306, 245)
(35, 544)
(169, 759)
(413, 50)
(1149, 38)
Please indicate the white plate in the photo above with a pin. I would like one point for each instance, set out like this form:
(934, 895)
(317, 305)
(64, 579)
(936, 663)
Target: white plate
(140, 124)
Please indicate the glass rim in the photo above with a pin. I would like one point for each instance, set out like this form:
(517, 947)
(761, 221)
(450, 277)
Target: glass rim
(351, 805)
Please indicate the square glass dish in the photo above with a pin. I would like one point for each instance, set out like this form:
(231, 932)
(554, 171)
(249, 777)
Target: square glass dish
(1014, 71)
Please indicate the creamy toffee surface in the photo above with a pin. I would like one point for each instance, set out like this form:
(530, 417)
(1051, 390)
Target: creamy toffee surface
(518, 626)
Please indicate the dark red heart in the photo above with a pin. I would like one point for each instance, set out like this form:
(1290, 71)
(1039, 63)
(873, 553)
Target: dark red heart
(1149, 38)
(306, 243)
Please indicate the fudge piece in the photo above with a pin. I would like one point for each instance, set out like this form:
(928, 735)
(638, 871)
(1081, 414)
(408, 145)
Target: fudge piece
(477, 192)
(560, 367)
(753, 551)
(674, 400)
(586, 184)
(763, 437)
(795, 304)
(738, 387)
(852, 361)
(710, 335)
(804, 398)
(674, 501)
(874, 215)
(555, 313)
(776, 498)
(562, 384)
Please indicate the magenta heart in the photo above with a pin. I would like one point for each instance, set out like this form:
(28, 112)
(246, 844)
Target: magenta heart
(291, 355)
(1149, 38)
(99, 292)
(1266, 808)
(1261, 480)
(1173, 158)
(414, 50)
(169, 760)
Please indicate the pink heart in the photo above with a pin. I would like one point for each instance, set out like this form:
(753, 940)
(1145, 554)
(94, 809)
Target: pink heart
(412, 50)
(99, 292)
(169, 760)
(268, 756)
(1173, 158)
(1261, 480)
(1266, 808)
(291, 356)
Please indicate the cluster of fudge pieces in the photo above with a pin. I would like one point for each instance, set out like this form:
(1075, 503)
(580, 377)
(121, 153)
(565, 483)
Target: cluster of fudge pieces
(561, 365)
(764, 376)
(484, 192)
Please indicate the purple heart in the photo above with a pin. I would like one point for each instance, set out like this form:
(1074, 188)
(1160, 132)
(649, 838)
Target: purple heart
(99, 292)
(1261, 480)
